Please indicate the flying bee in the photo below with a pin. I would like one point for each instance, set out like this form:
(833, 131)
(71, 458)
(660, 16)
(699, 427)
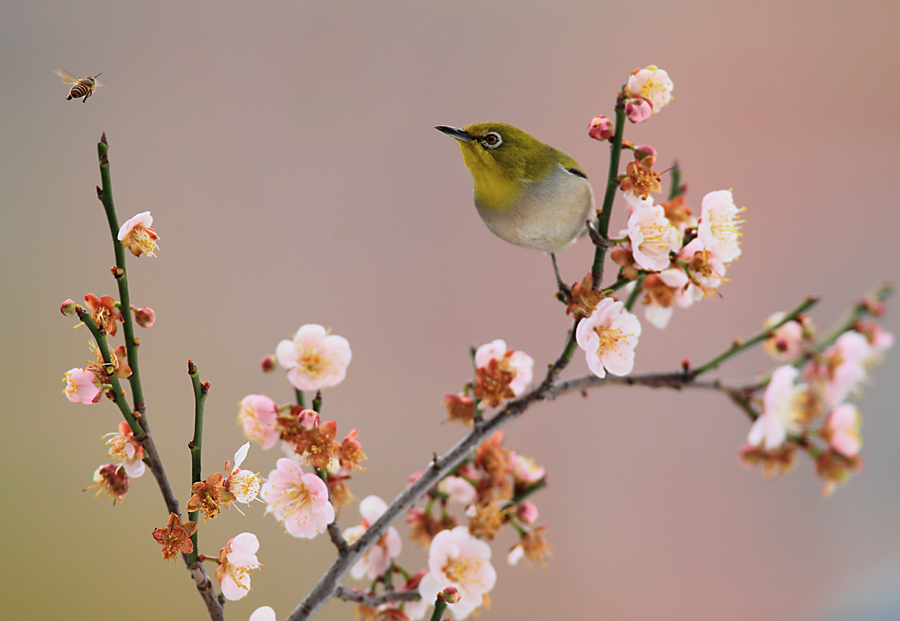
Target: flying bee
(84, 87)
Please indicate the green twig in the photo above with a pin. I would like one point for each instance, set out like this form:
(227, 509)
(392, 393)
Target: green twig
(612, 185)
(201, 389)
(104, 193)
(635, 293)
(738, 346)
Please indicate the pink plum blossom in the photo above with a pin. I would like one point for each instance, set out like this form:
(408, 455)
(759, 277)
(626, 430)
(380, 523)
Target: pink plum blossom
(608, 338)
(652, 237)
(601, 128)
(236, 560)
(259, 418)
(841, 430)
(783, 412)
(843, 367)
(675, 284)
(719, 228)
(651, 84)
(706, 272)
(457, 559)
(127, 450)
(638, 110)
(378, 558)
(137, 236)
(314, 358)
(784, 342)
(82, 386)
(520, 363)
(458, 489)
(298, 500)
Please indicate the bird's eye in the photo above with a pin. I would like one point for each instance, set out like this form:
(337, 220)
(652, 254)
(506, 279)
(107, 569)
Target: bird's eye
(491, 140)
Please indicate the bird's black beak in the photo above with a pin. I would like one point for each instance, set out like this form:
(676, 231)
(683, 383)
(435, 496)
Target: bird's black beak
(460, 134)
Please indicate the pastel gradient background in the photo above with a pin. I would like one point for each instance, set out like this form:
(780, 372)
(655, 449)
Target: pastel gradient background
(288, 155)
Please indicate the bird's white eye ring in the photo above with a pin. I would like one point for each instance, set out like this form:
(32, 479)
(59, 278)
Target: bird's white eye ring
(491, 140)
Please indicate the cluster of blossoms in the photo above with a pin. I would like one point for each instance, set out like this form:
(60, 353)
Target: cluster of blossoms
(90, 383)
(807, 407)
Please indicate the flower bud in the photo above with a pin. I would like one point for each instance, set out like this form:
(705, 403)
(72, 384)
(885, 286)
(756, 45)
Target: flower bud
(449, 595)
(68, 308)
(145, 317)
(269, 363)
(600, 128)
(638, 110)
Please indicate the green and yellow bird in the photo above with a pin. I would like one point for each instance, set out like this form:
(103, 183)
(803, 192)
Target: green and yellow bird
(527, 192)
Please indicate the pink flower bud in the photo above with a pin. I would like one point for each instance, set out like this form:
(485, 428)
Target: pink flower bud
(68, 308)
(527, 512)
(600, 128)
(145, 317)
(449, 595)
(308, 419)
(269, 363)
(644, 151)
(638, 110)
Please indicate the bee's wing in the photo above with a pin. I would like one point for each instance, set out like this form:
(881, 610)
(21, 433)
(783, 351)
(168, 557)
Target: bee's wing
(67, 77)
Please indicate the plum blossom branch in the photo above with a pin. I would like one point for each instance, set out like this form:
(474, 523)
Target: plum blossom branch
(153, 459)
(437, 469)
(349, 595)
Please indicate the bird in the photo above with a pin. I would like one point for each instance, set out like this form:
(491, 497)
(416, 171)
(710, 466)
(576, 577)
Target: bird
(527, 192)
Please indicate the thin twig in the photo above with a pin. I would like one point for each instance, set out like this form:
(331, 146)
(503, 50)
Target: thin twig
(349, 595)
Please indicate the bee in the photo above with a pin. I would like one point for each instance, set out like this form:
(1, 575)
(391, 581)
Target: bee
(80, 88)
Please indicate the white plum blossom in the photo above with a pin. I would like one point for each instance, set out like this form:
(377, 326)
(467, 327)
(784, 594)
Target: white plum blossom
(608, 338)
(263, 613)
(706, 272)
(843, 367)
(314, 358)
(125, 449)
(652, 84)
(652, 237)
(784, 342)
(460, 560)
(525, 469)
(236, 560)
(378, 558)
(784, 410)
(719, 229)
(244, 485)
(297, 499)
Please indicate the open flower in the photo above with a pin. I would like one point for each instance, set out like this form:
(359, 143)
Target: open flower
(843, 367)
(784, 342)
(236, 560)
(651, 84)
(841, 430)
(377, 559)
(175, 537)
(259, 418)
(652, 236)
(104, 312)
(244, 485)
(297, 499)
(125, 448)
(786, 409)
(137, 236)
(314, 359)
(608, 338)
(501, 373)
(112, 479)
(263, 613)
(82, 386)
(720, 227)
(457, 559)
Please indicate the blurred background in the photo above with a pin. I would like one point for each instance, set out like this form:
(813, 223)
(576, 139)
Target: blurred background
(288, 155)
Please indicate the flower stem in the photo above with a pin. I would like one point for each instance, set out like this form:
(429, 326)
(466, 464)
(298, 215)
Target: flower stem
(612, 184)
(201, 390)
(439, 607)
(633, 296)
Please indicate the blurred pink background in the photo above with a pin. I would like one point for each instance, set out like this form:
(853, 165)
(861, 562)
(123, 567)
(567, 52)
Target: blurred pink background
(288, 155)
